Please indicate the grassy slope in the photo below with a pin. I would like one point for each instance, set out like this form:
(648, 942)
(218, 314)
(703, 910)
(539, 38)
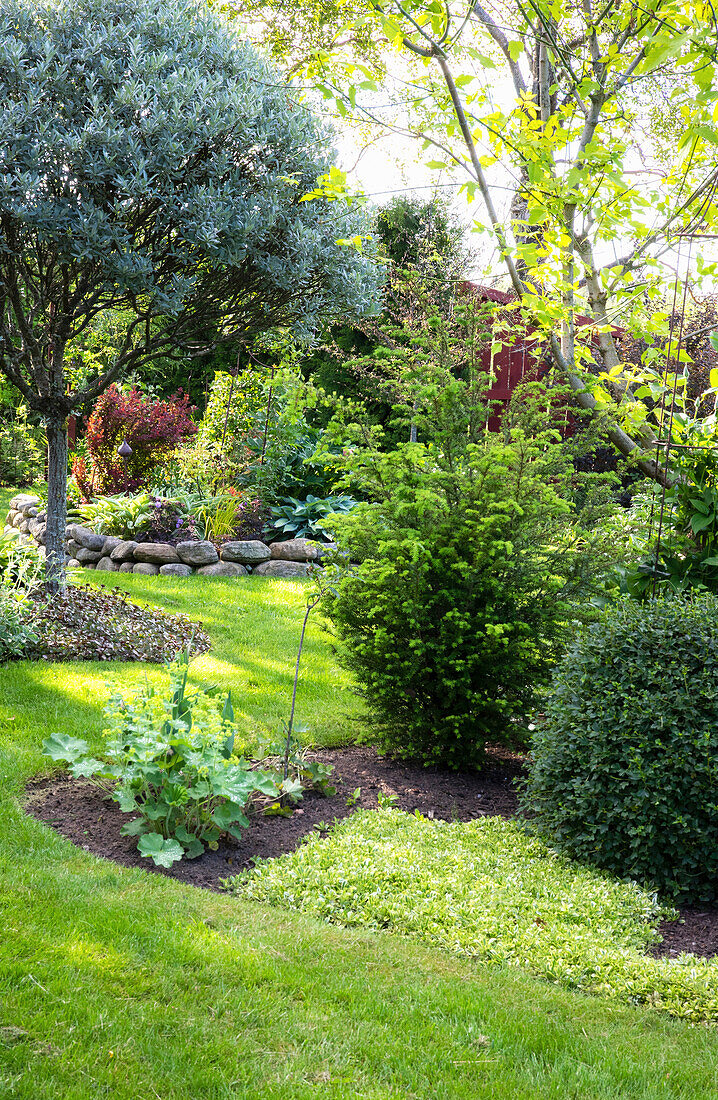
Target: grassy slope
(121, 983)
(254, 623)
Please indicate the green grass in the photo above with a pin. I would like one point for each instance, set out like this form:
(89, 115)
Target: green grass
(120, 983)
(488, 890)
(254, 622)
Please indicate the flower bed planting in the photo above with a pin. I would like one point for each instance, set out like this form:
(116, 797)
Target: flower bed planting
(86, 549)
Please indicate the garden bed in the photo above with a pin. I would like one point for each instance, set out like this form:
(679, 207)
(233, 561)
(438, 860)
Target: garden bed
(82, 813)
(79, 811)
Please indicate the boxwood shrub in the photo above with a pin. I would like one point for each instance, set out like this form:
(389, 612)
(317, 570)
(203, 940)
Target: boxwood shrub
(625, 764)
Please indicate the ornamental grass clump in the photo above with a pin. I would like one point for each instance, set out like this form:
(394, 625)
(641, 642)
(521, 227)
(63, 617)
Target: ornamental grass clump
(625, 764)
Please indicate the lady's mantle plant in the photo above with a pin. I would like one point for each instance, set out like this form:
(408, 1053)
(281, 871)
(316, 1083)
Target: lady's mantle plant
(172, 763)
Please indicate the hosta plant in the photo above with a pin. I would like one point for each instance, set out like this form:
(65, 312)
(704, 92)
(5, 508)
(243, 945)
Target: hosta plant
(173, 766)
(127, 517)
(305, 519)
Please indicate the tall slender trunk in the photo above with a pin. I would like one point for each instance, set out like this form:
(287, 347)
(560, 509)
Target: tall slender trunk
(56, 431)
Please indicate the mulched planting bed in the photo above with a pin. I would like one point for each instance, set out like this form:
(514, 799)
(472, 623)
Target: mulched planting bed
(80, 812)
(85, 623)
(695, 932)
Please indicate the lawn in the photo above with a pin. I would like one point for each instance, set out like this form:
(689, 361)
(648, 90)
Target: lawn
(118, 982)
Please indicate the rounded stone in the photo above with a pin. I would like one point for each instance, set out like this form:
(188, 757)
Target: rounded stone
(295, 550)
(156, 553)
(197, 553)
(223, 569)
(146, 567)
(37, 527)
(176, 569)
(87, 538)
(23, 500)
(124, 551)
(73, 563)
(283, 569)
(127, 567)
(111, 541)
(107, 565)
(246, 551)
(88, 557)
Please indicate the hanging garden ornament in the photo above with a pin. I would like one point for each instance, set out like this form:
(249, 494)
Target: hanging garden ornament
(124, 450)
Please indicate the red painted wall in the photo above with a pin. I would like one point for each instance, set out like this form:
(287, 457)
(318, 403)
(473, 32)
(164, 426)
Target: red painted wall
(513, 363)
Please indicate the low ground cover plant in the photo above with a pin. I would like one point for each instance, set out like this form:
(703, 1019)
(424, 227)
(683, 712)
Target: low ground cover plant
(487, 890)
(173, 764)
(95, 624)
(625, 763)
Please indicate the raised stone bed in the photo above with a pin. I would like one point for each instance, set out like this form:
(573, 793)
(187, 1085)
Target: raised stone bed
(235, 558)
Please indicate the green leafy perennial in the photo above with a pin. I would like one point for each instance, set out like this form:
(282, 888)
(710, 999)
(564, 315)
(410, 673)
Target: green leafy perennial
(173, 765)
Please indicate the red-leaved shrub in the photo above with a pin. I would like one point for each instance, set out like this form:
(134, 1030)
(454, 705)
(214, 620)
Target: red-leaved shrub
(153, 429)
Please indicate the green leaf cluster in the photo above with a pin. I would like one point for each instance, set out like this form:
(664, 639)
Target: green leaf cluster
(625, 764)
(487, 890)
(173, 765)
(310, 518)
(17, 635)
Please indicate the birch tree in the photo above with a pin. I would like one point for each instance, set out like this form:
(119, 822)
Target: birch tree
(550, 98)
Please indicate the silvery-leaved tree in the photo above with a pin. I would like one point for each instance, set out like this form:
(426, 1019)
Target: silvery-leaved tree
(599, 119)
(152, 165)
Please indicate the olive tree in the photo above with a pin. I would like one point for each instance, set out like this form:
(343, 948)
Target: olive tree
(151, 164)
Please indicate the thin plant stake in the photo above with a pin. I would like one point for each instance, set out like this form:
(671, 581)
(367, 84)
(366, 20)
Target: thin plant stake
(288, 746)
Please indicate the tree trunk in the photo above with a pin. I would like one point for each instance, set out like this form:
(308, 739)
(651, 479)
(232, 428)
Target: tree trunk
(56, 431)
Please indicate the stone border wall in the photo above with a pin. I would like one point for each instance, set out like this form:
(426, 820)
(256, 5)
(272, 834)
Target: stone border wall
(88, 550)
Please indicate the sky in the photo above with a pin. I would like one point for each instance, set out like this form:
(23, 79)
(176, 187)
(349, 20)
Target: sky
(394, 165)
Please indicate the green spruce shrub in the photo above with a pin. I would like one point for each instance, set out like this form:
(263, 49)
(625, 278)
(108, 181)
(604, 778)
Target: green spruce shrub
(625, 765)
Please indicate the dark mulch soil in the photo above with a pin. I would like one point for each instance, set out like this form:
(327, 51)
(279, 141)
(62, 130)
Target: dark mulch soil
(80, 812)
(696, 932)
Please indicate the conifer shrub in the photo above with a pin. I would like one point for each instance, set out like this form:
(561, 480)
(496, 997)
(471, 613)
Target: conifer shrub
(463, 594)
(625, 764)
